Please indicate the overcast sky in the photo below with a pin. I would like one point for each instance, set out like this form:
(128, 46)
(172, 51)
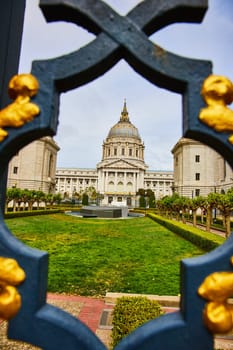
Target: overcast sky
(87, 113)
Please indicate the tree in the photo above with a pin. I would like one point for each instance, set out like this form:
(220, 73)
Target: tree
(165, 205)
(201, 203)
(225, 205)
(194, 205)
(147, 197)
(12, 194)
(211, 202)
(57, 198)
(28, 197)
(76, 196)
(141, 192)
(92, 194)
(49, 199)
(151, 198)
(142, 202)
(85, 199)
(39, 197)
(181, 204)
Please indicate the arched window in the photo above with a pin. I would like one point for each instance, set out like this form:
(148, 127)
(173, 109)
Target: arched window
(110, 186)
(120, 186)
(129, 186)
(50, 167)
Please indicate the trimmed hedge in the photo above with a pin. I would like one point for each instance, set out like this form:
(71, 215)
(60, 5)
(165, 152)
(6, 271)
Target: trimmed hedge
(18, 214)
(131, 312)
(202, 239)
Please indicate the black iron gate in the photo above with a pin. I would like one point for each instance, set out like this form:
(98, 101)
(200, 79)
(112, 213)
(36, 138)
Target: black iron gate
(117, 37)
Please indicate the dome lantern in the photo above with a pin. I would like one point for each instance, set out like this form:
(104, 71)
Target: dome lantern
(124, 114)
(124, 128)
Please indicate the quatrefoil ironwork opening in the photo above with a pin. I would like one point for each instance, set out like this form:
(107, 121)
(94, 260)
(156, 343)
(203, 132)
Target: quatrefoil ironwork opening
(117, 37)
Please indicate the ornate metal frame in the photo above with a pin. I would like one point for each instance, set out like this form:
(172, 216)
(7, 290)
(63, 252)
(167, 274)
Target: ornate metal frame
(116, 37)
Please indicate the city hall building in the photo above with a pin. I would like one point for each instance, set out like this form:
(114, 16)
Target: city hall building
(198, 169)
(121, 172)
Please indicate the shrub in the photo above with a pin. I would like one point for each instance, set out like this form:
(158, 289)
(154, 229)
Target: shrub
(202, 239)
(130, 313)
(19, 214)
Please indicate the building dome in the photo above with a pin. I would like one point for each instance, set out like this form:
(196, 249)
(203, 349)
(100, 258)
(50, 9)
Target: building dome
(123, 143)
(124, 128)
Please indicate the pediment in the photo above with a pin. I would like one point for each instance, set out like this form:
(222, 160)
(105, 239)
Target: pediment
(121, 164)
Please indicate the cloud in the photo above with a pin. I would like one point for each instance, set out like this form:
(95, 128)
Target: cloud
(88, 113)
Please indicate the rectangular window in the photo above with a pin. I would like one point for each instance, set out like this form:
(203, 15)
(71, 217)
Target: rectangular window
(122, 151)
(197, 176)
(115, 151)
(224, 169)
(130, 152)
(15, 170)
(197, 158)
(197, 192)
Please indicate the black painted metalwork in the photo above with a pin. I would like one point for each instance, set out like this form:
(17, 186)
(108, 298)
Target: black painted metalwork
(116, 37)
(11, 28)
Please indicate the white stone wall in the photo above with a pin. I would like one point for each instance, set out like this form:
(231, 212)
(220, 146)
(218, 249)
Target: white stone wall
(34, 166)
(160, 182)
(199, 170)
(73, 180)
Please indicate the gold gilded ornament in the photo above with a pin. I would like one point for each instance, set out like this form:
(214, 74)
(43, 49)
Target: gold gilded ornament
(218, 313)
(10, 276)
(217, 92)
(21, 88)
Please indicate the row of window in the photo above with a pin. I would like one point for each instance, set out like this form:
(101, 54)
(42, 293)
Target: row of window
(120, 174)
(75, 180)
(123, 153)
(159, 175)
(161, 183)
(75, 172)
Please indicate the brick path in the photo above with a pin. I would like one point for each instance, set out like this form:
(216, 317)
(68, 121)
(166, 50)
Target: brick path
(91, 309)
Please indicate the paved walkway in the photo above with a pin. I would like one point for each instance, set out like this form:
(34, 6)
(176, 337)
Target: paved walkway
(89, 311)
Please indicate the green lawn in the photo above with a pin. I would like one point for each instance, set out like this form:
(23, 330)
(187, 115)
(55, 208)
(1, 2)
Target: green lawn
(93, 256)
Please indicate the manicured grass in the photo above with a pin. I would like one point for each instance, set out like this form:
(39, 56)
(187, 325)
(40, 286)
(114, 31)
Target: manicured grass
(93, 256)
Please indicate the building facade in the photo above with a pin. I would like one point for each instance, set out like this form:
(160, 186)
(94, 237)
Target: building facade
(73, 181)
(121, 172)
(199, 170)
(34, 166)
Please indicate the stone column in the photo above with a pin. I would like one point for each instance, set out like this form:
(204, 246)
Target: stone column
(106, 182)
(134, 183)
(125, 189)
(115, 182)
